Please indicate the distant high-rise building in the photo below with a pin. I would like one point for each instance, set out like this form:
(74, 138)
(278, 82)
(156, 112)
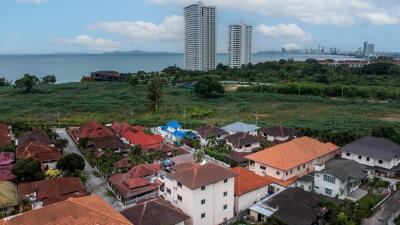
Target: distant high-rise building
(365, 47)
(199, 37)
(239, 45)
(370, 49)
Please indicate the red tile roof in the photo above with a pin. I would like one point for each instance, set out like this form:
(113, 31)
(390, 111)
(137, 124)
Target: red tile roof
(39, 151)
(53, 190)
(248, 181)
(6, 158)
(130, 187)
(293, 153)
(124, 163)
(144, 170)
(135, 183)
(6, 165)
(146, 141)
(121, 128)
(93, 130)
(87, 210)
(283, 183)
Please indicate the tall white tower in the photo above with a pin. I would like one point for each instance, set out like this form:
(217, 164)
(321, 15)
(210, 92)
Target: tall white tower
(199, 37)
(239, 45)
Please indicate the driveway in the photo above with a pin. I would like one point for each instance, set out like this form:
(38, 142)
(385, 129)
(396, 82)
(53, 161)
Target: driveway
(385, 212)
(96, 185)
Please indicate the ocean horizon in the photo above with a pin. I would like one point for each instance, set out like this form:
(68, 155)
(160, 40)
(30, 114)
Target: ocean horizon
(71, 67)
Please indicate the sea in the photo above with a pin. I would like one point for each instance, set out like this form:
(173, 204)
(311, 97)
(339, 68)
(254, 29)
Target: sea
(71, 67)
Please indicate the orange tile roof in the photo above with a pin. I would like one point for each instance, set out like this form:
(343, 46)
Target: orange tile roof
(248, 181)
(87, 210)
(284, 183)
(293, 153)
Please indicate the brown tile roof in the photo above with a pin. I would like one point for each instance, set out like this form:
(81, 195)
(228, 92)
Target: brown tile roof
(293, 153)
(210, 130)
(248, 181)
(53, 190)
(124, 163)
(93, 130)
(283, 183)
(278, 131)
(39, 151)
(144, 170)
(201, 175)
(129, 187)
(241, 139)
(109, 142)
(183, 166)
(89, 210)
(238, 157)
(35, 135)
(154, 211)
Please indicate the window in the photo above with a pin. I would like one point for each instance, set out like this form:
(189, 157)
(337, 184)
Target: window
(168, 191)
(225, 193)
(328, 191)
(247, 146)
(316, 187)
(179, 198)
(203, 188)
(329, 179)
(225, 180)
(251, 163)
(278, 173)
(262, 167)
(304, 166)
(225, 207)
(179, 184)
(287, 173)
(348, 153)
(203, 201)
(380, 162)
(367, 158)
(298, 168)
(291, 171)
(203, 215)
(359, 157)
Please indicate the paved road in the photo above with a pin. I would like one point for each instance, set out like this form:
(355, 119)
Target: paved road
(96, 185)
(386, 211)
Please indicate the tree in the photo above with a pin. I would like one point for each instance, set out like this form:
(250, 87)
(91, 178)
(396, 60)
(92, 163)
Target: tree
(71, 164)
(373, 184)
(208, 88)
(154, 92)
(61, 143)
(28, 82)
(133, 81)
(383, 131)
(28, 170)
(82, 143)
(49, 79)
(199, 156)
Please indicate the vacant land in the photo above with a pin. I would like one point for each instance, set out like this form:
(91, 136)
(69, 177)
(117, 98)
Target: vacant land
(78, 103)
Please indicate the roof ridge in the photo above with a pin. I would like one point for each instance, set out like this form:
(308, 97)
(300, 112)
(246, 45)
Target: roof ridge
(142, 213)
(195, 175)
(84, 206)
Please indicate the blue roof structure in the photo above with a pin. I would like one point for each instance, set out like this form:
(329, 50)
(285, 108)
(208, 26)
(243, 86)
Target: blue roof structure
(179, 134)
(174, 124)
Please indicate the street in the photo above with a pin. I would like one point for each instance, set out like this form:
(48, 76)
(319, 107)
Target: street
(96, 185)
(386, 211)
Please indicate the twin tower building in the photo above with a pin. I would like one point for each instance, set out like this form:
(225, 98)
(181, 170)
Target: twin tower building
(200, 40)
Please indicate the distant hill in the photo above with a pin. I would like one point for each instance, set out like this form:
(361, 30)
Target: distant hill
(138, 52)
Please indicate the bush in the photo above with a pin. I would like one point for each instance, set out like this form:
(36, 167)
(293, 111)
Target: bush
(71, 163)
(28, 170)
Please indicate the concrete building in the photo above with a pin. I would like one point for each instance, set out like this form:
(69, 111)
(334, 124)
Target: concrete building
(239, 45)
(204, 192)
(199, 37)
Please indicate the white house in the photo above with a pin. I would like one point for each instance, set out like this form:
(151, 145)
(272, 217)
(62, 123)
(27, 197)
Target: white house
(381, 155)
(172, 130)
(243, 142)
(204, 192)
(249, 188)
(278, 133)
(207, 132)
(241, 127)
(339, 178)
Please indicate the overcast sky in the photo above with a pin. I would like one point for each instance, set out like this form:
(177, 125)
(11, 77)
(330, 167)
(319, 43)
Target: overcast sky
(46, 26)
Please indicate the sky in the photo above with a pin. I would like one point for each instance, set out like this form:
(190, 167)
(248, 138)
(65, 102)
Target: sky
(90, 26)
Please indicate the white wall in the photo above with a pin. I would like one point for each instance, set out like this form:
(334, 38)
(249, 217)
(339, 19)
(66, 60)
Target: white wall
(372, 161)
(245, 201)
(245, 149)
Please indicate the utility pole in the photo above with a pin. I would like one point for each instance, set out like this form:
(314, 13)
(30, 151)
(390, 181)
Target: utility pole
(58, 117)
(132, 116)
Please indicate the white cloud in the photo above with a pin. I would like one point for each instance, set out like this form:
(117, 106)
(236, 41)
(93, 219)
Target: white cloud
(332, 12)
(93, 44)
(171, 29)
(292, 46)
(32, 1)
(285, 31)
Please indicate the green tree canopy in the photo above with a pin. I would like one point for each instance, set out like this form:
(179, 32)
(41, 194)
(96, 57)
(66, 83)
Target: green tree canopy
(208, 88)
(28, 170)
(28, 82)
(49, 79)
(71, 163)
(154, 91)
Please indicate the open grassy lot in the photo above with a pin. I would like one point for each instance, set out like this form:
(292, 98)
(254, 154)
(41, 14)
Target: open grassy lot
(107, 102)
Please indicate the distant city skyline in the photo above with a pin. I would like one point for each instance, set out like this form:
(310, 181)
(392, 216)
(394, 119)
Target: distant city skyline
(47, 26)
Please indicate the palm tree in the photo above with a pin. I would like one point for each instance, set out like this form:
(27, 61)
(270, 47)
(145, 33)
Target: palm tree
(25, 205)
(373, 184)
(199, 156)
(212, 142)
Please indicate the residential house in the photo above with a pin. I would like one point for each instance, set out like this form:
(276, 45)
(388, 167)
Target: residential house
(5, 136)
(8, 196)
(50, 191)
(241, 127)
(173, 131)
(238, 158)
(339, 178)
(138, 184)
(207, 132)
(155, 211)
(86, 210)
(147, 142)
(7, 160)
(278, 133)
(285, 163)
(249, 188)
(46, 154)
(306, 182)
(381, 155)
(204, 192)
(123, 164)
(293, 206)
(91, 130)
(35, 136)
(243, 142)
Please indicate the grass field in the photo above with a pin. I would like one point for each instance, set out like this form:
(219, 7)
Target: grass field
(107, 102)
